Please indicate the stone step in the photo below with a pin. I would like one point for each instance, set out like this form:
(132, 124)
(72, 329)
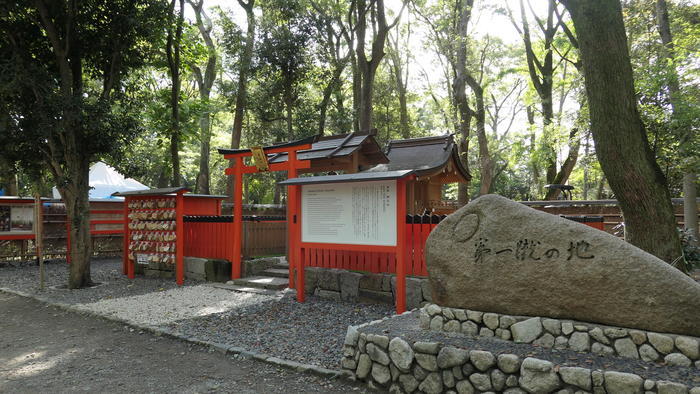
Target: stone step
(261, 282)
(277, 272)
(244, 289)
(281, 266)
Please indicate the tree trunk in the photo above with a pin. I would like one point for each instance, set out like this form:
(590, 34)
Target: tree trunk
(75, 196)
(690, 204)
(173, 54)
(327, 93)
(620, 139)
(563, 175)
(459, 90)
(242, 94)
(205, 83)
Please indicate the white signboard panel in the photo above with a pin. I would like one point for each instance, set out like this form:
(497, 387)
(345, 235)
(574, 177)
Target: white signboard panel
(356, 213)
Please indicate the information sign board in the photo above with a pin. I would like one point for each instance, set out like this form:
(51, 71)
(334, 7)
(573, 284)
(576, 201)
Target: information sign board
(16, 218)
(355, 213)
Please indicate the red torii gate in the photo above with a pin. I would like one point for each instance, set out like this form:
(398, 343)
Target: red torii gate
(292, 165)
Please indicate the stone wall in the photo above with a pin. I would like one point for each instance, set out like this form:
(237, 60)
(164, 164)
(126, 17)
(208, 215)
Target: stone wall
(431, 367)
(566, 334)
(354, 286)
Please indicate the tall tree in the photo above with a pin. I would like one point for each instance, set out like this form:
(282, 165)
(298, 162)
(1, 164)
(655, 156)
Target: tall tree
(375, 13)
(618, 132)
(399, 68)
(172, 49)
(62, 96)
(690, 217)
(205, 81)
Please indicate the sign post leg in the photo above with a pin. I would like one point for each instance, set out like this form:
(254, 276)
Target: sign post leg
(400, 246)
(237, 218)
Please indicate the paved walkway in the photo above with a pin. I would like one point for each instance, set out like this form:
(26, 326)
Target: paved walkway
(46, 349)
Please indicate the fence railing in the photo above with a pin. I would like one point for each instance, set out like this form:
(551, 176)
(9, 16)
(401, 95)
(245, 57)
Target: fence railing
(417, 229)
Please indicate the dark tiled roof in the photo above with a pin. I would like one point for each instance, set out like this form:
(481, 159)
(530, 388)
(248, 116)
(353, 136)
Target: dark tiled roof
(357, 177)
(336, 146)
(303, 141)
(422, 155)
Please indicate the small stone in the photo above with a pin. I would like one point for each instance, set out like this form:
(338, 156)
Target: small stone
(450, 357)
(348, 363)
(482, 360)
(561, 342)
(662, 343)
(511, 381)
(457, 372)
(432, 309)
(615, 333)
(649, 384)
(647, 353)
(348, 351)
(602, 350)
(424, 319)
(427, 361)
(503, 333)
(552, 326)
(460, 314)
(452, 326)
(408, 382)
(486, 332)
(538, 376)
(448, 379)
(498, 380)
(467, 369)
(526, 331)
(638, 337)
(481, 381)
(546, 340)
(464, 387)
(688, 346)
(426, 347)
(506, 321)
(580, 327)
(491, 320)
(597, 334)
(377, 354)
(514, 390)
(475, 316)
(380, 373)
(363, 366)
(401, 354)
(379, 340)
(436, 323)
(352, 336)
(677, 359)
(626, 348)
(419, 372)
(567, 327)
(447, 312)
(432, 384)
(362, 342)
(695, 390)
(664, 387)
(597, 378)
(579, 377)
(622, 383)
(470, 328)
(394, 372)
(565, 391)
(580, 342)
(508, 363)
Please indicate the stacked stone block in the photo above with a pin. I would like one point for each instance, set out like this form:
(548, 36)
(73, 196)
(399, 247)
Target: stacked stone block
(566, 334)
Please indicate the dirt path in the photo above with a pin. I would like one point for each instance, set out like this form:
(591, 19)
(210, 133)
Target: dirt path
(45, 349)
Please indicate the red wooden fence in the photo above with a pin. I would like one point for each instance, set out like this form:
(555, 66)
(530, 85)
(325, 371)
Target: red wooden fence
(417, 230)
(212, 237)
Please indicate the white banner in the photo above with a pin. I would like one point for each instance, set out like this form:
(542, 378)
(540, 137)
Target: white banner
(355, 213)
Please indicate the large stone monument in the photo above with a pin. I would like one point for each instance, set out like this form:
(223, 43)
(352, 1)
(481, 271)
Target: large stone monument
(498, 255)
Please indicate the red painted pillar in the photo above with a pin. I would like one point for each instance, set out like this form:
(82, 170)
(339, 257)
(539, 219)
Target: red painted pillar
(292, 217)
(127, 237)
(179, 239)
(297, 248)
(237, 218)
(400, 246)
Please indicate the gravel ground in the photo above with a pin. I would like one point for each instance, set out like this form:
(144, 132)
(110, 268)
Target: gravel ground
(311, 332)
(48, 350)
(408, 327)
(277, 325)
(108, 272)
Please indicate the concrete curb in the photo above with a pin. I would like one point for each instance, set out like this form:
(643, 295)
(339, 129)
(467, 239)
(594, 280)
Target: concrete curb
(214, 346)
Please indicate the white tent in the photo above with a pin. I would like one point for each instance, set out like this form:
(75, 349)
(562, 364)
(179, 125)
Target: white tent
(105, 180)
